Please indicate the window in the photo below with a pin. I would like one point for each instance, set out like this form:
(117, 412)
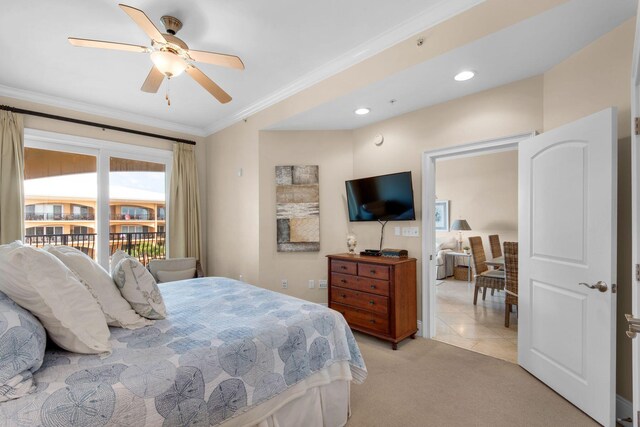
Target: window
(82, 213)
(34, 231)
(43, 212)
(80, 230)
(161, 229)
(161, 213)
(134, 212)
(64, 183)
(134, 229)
(53, 230)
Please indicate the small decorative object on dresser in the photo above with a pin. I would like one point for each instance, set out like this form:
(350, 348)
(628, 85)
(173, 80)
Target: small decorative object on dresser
(376, 295)
(352, 242)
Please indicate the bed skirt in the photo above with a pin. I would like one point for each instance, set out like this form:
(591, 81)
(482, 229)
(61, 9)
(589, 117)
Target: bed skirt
(320, 400)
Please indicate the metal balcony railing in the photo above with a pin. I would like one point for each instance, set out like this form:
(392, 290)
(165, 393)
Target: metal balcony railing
(129, 217)
(144, 246)
(29, 216)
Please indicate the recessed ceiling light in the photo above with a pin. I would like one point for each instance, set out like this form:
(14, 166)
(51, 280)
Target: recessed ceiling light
(464, 75)
(362, 111)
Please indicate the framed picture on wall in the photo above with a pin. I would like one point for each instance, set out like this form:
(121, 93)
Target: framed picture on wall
(442, 215)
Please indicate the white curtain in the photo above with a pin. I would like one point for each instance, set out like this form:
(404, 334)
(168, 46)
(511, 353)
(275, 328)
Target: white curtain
(11, 177)
(184, 202)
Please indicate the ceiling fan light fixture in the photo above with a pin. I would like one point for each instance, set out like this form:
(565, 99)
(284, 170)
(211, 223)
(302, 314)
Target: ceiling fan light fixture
(168, 63)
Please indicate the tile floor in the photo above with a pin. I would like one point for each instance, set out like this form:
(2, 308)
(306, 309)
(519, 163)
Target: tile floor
(479, 328)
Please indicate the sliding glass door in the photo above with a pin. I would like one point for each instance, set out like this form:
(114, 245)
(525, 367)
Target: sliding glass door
(56, 184)
(137, 200)
(96, 196)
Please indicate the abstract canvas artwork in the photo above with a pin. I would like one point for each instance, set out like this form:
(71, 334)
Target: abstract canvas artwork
(298, 208)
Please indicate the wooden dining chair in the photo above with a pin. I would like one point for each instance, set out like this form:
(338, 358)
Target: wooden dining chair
(511, 279)
(484, 278)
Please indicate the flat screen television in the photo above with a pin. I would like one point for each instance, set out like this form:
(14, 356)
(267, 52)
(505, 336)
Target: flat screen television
(381, 198)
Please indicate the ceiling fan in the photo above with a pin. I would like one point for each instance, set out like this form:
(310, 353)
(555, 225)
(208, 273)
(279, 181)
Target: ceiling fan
(170, 55)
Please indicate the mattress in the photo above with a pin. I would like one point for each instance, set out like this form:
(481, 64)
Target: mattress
(225, 349)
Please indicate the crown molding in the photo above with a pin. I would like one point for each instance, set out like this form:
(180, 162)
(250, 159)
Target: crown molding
(112, 113)
(429, 18)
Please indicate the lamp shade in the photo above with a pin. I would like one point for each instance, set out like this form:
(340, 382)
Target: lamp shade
(460, 225)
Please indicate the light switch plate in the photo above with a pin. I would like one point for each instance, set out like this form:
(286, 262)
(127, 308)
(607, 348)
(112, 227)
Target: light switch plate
(410, 231)
(322, 283)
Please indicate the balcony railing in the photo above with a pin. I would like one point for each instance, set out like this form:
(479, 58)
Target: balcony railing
(144, 246)
(130, 217)
(29, 216)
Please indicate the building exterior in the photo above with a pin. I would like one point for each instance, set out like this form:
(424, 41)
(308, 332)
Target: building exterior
(62, 210)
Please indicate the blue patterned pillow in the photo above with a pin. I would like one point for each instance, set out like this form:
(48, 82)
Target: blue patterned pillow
(22, 344)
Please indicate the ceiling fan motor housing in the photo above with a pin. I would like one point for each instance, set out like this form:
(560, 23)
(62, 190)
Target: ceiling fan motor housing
(172, 24)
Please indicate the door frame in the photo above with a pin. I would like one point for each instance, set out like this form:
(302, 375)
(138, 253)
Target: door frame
(635, 226)
(429, 159)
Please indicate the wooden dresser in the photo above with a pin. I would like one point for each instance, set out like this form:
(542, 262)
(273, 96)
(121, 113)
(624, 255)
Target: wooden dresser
(376, 295)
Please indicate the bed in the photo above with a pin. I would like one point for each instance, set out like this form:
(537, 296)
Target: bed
(228, 353)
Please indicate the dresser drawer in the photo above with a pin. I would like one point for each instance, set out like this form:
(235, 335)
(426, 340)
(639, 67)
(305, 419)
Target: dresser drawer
(364, 300)
(344, 281)
(344, 267)
(363, 319)
(374, 286)
(374, 271)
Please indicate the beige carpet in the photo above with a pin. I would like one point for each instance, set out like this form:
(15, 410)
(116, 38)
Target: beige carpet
(429, 383)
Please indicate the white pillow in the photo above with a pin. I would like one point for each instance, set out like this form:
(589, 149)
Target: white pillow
(40, 282)
(138, 286)
(116, 309)
(172, 276)
(116, 257)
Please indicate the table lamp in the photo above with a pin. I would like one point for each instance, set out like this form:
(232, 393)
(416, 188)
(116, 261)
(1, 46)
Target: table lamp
(460, 225)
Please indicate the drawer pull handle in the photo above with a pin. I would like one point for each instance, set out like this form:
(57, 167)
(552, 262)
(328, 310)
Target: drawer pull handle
(371, 302)
(372, 321)
(343, 296)
(343, 267)
(373, 286)
(372, 271)
(343, 281)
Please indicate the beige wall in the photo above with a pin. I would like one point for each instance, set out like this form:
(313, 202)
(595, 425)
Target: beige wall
(484, 191)
(233, 234)
(332, 152)
(507, 110)
(595, 78)
(67, 128)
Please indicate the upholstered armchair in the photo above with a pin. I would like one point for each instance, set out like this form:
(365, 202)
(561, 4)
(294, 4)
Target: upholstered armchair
(172, 269)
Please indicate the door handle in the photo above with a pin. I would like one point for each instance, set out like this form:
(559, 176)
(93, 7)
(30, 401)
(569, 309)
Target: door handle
(601, 286)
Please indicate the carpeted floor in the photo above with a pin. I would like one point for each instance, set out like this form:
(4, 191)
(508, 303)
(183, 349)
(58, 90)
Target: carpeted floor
(429, 383)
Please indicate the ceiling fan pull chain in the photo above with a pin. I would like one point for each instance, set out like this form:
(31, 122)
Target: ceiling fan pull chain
(167, 95)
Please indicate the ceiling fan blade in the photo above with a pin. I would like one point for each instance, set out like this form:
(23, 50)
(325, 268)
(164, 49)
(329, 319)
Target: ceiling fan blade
(143, 22)
(108, 45)
(153, 81)
(217, 59)
(208, 84)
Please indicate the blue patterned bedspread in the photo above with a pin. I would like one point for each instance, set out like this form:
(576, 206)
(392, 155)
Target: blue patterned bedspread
(225, 347)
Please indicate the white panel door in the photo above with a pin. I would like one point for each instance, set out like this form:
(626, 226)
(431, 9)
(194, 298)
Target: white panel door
(567, 244)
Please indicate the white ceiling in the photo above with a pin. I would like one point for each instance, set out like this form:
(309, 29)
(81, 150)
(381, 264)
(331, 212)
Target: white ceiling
(284, 44)
(520, 51)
